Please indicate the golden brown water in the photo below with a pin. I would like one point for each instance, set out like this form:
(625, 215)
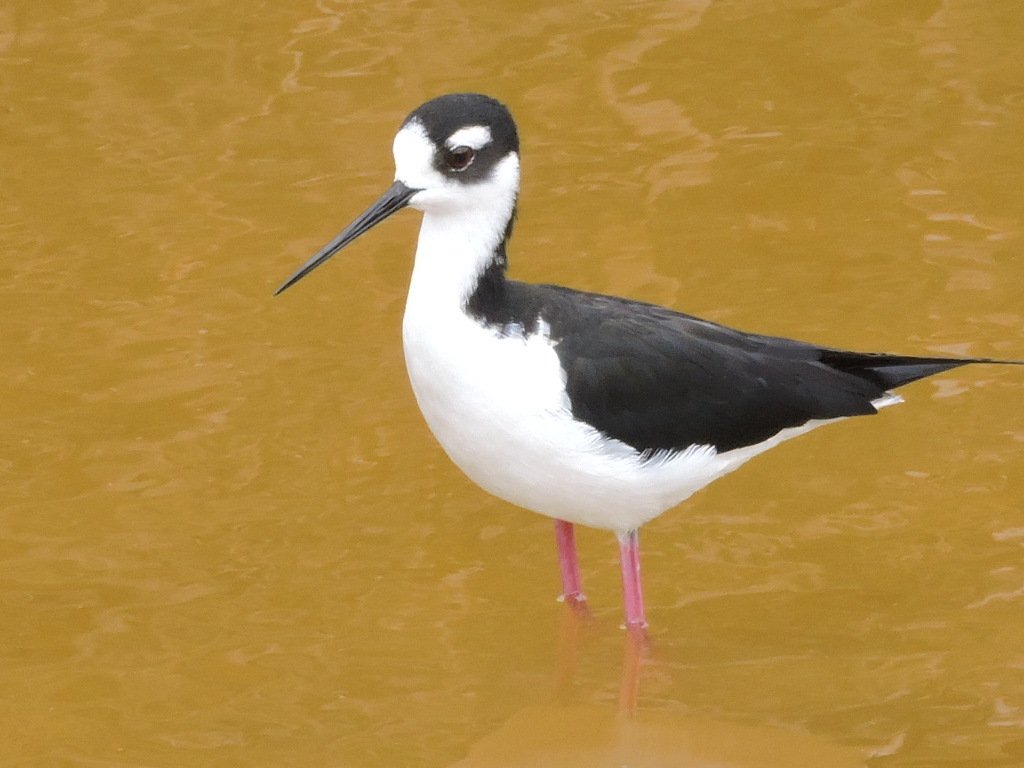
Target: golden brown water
(226, 536)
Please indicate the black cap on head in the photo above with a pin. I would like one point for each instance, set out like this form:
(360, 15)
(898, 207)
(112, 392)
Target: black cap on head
(443, 116)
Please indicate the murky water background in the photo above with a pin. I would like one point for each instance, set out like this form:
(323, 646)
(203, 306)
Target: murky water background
(226, 536)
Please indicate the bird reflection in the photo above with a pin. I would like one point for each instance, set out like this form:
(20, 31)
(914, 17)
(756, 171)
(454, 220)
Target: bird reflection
(566, 735)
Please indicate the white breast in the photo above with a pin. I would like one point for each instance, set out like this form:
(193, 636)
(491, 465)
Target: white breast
(497, 404)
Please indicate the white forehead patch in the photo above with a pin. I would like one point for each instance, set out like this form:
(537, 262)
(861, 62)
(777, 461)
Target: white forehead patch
(411, 145)
(473, 136)
(413, 155)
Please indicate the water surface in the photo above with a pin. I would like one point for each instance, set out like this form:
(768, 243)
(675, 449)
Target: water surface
(227, 537)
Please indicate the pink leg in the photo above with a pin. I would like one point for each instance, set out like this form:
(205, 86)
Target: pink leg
(569, 564)
(632, 591)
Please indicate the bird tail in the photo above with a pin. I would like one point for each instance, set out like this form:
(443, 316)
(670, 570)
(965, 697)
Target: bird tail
(891, 371)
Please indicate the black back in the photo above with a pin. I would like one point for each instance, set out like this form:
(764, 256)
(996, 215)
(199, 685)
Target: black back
(659, 380)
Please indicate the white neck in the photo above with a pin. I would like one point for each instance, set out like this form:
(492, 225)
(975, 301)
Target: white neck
(452, 253)
(459, 237)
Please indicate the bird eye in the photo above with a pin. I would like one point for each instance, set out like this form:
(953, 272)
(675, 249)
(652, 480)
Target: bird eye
(459, 158)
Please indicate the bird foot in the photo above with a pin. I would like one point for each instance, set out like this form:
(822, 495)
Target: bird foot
(577, 601)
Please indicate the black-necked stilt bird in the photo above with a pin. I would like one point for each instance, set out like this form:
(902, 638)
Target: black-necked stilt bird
(593, 410)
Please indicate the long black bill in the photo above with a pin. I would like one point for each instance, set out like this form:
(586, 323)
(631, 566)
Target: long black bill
(392, 201)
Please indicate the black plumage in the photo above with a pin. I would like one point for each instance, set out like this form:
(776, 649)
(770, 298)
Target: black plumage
(660, 380)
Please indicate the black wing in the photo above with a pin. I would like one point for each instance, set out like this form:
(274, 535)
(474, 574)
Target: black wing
(660, 380)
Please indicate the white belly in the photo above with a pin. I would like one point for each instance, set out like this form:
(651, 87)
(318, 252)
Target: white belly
(498, 407)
